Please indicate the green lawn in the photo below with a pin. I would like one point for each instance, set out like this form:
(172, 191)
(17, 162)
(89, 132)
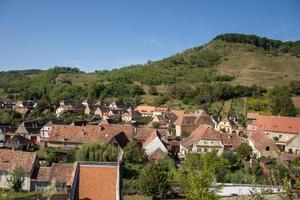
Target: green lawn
(23, 194)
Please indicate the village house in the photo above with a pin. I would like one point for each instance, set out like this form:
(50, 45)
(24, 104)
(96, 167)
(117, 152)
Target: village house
(153, 142)
(186, 124)
(252, 116)
(26, 161)
(66, 107)
(226, 125)
(165, 120)
(18, 142)
(68, 136)
(28, 129)
(46, 129)
(231, 141)
(131, 115)
(202, 140)
(278, 128)
(60, 173)
(262, 145)
(151, 111)
(118, 105)
(293, 145)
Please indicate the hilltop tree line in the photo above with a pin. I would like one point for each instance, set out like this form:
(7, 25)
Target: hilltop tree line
(267, 44)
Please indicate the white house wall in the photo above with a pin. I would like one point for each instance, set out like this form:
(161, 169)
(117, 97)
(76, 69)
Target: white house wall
(153, 145)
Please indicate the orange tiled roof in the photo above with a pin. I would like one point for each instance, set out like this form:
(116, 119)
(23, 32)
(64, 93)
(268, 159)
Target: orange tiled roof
(203, 132)
(150, 109)
(278, 124)
(98, 182)
(22, 159)
(142, 133)
(83, 134)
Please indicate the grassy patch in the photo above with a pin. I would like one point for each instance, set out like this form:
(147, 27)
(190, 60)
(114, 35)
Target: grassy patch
(136, 197)
(226, 108)
(23, 194)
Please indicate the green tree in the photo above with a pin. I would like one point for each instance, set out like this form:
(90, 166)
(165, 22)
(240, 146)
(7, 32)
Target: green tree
(16, 178)
(154, 181)
(95, 151)
(133, 153)
(244, 151)
(198, 173)
(283, 105)
(136, 90)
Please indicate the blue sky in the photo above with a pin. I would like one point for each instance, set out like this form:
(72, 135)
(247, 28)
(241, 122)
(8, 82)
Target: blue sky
(95, 35)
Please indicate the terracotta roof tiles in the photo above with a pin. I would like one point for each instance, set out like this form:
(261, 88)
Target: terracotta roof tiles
(278, 124)
(22, 159)
(203, 132)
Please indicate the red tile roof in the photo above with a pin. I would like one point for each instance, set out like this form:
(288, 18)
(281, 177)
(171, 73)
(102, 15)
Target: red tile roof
(278, 124)
(150, 109)
(203, 132)
(22, 159)
(142, 133)
(83, 134)
(98, 181)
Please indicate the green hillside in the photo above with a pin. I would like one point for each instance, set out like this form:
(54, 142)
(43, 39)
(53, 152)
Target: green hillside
(196, 76)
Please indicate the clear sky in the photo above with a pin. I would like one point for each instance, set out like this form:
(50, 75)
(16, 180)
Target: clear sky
(94, 35)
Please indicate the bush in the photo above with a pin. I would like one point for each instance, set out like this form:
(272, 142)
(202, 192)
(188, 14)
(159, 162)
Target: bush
(16, 178)
(133, 153)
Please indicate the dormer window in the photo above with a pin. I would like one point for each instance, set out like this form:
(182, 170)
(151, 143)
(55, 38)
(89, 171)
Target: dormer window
(267, 148)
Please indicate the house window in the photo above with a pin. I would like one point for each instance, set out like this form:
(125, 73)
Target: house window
(280, 136)
(212, 142)
(205, 150)
(198, 149)
(267, 148)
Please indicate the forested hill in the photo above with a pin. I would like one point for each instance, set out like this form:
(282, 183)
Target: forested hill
(197, 75)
